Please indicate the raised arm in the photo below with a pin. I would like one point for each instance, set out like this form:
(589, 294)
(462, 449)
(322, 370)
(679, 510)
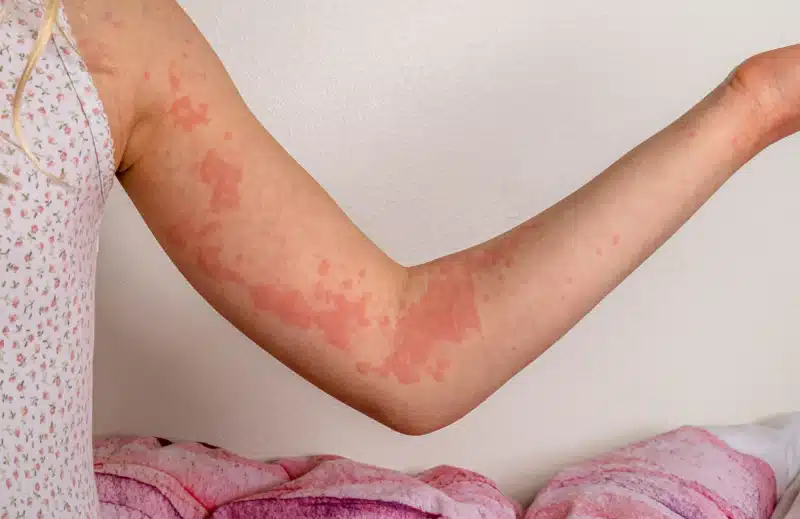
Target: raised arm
(415, 348)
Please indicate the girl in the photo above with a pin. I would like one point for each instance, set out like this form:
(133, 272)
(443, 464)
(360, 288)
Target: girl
(129, 88)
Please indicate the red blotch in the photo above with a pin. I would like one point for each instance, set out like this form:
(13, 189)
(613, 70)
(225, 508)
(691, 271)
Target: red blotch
(324, 268)
(147, 76)
(183, 232)
(224, 179)
(338, 321)
(186, 236)
(228, 136)
(347, 284)
(385, 322)
(209, 262)
(599, 251)
(735, 142)
(187, 116)
(693, 134)
(362, 367)
(446, 312)
(615, 240)
(362, 273)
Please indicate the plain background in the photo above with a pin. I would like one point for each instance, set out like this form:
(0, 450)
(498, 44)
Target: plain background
(437, 125)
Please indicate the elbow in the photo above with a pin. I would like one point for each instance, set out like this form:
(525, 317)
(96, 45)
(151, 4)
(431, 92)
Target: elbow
(414, 427)
(417, 416)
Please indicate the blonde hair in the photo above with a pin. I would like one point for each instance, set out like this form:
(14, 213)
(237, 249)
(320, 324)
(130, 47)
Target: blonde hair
(49, 26)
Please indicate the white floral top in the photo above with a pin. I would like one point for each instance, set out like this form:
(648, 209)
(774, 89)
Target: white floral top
(48, 251)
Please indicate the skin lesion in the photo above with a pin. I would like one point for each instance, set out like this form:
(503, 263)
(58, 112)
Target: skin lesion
(224, 179)
(337, 316)
(209, 262)
(417, 340)
(187, 116)
(444, 314)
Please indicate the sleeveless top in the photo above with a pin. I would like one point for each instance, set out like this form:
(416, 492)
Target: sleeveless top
(48, 252)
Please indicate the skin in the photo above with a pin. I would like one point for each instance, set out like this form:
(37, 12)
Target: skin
(416, 348)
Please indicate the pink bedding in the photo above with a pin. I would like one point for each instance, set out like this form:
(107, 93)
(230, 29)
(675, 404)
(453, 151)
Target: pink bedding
(688, 473)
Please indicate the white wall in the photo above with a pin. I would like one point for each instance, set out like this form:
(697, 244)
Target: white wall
(437, 125)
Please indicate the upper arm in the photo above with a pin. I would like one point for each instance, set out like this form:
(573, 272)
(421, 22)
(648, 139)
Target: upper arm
(246, 225)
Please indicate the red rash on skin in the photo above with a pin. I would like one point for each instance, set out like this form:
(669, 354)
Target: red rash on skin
(446, 313)
(147, 76)
(615, 240)
(228, 136)
(182, 235)
(224, 179)
(338, 321)
(181, 232)
(186, 116)
(347, 284)
(209, 262)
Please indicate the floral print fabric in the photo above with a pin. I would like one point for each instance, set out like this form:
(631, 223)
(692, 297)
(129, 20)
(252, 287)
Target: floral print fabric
(48, 251)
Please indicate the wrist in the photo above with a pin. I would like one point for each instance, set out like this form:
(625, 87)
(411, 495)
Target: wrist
(756, 109)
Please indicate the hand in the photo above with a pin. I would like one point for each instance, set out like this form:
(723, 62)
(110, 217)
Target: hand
(770, 82)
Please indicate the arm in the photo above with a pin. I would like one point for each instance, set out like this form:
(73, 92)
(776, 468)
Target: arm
(415, 348)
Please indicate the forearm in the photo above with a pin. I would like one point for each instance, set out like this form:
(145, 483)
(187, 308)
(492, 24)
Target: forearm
(479, 316)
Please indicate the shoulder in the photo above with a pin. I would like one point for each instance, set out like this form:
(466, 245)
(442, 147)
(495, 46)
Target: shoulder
(125, 43)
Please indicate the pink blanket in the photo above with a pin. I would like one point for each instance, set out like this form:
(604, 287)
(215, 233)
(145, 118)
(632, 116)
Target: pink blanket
(150, 478)
(689, 473)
